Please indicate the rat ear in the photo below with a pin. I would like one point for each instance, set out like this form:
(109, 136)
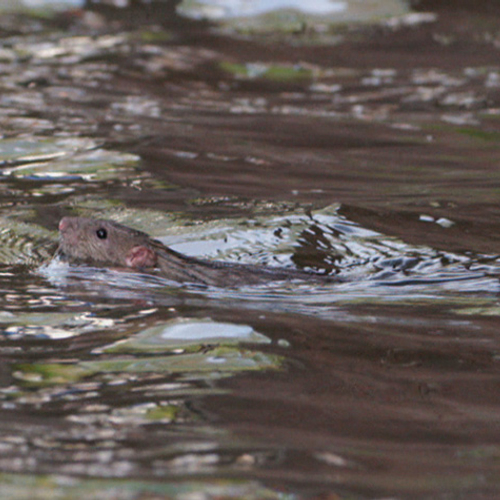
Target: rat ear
(141, 256)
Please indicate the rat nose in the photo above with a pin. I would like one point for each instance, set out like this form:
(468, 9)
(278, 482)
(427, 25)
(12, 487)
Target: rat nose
(64, 223)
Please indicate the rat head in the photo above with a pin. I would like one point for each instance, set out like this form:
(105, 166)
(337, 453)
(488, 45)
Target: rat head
(104, 242)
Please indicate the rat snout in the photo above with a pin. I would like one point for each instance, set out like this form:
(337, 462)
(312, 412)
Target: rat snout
(69, 224)
(64, 223)
(68, 232)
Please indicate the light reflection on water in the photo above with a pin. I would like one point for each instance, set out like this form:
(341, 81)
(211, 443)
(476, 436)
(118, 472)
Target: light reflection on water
(233, 8)
(334, 10)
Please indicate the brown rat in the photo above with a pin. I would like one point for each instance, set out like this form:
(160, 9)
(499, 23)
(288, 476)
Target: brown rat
(109, 243)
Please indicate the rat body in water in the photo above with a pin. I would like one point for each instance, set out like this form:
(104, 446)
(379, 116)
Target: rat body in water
(105, 242)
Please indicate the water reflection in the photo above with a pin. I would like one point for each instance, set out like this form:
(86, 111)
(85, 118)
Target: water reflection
(45, 159)
(292, 11)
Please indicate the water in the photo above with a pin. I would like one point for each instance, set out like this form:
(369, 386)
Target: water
(370, 154)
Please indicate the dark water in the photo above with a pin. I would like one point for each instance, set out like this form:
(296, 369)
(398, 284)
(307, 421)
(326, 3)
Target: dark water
(375, 158)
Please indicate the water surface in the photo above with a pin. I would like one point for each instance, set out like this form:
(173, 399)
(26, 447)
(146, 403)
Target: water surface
(368, 153)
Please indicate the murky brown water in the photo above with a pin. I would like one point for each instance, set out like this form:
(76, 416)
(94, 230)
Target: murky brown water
(375, 158)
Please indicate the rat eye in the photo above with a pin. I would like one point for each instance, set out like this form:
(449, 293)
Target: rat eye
(101, 233)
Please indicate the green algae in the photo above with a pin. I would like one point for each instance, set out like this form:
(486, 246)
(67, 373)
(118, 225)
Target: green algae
(190, 335)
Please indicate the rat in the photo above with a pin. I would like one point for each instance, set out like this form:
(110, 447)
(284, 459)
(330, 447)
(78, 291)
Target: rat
(105, 242)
